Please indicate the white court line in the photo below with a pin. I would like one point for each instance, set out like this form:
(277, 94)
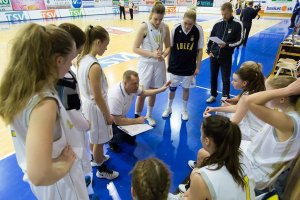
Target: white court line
(204, 88)
(7, 156)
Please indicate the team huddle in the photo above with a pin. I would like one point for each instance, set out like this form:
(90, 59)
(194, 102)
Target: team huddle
(247, 142)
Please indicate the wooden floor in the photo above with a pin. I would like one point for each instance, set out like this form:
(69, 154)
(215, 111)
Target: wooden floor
(122, 36)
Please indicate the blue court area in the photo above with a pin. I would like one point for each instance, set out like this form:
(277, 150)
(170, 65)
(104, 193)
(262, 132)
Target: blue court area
(172, 140)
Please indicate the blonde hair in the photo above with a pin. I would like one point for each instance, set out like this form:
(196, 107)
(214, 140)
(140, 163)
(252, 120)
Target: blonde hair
(253, 65)
(31, 67)
(191, 14)
(150, 180)
(92, 33)
(158, 8)
(282, 82)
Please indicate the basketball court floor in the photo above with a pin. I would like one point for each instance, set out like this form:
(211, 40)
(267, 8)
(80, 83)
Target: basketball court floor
(172, 140)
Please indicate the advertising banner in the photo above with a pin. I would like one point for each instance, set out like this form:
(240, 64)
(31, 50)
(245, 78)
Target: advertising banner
(5, 5)
(58, 4)
(205, 3)
(43, 14)
(28, 4)
(16, 16)
(170, 9)
(170, 2)
(185, 2)
(279, 6)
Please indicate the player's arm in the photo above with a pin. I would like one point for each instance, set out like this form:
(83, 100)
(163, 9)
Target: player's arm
(198, 189)
(41, 168)
(122, 121)
(200, 51)
(167, 42)
(141, 34)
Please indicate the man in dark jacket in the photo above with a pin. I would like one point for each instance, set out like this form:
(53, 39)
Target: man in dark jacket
(230, 30)
(247, 15)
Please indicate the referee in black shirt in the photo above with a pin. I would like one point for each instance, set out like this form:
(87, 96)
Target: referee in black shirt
(247, 15)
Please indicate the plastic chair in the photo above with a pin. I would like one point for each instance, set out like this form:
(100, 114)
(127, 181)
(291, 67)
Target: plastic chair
(293, 68)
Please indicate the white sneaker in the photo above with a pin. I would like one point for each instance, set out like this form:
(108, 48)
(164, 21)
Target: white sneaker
(178, 196)
(94, 164)
(192, 164)
(184, 115)
(151, 121)
(210, 99)
(167, 112)
(106, 173)
(182, 188)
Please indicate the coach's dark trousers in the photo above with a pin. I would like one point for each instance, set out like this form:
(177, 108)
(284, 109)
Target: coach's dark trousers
(122, 10)
(131, 13)
(225, 65)
(247, 28)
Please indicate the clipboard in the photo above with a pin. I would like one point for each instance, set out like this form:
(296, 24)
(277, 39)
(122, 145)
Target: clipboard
(217, 40)
(135, 129)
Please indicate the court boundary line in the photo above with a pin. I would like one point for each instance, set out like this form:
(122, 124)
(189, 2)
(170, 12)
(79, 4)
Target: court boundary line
(3, 157)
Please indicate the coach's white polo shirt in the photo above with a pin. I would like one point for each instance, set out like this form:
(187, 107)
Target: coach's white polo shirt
(119, 101)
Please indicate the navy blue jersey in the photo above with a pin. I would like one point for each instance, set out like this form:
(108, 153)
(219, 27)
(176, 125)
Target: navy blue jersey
(182, 60)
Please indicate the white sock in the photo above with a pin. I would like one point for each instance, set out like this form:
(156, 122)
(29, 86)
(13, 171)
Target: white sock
(170, 102)
(149, 111)
(184, 104)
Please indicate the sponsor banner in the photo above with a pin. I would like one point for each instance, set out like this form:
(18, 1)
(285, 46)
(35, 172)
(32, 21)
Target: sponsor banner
(279, 6)
(170, 2)
(58, 4)
(28, 5)
(205, 3)
(14, 16)
(116, 2)
(5, 5)
(170, 9)
(73, 12)
(94, 11)
(76, 3)
(186, 2)
(88, 3)
(43, 14)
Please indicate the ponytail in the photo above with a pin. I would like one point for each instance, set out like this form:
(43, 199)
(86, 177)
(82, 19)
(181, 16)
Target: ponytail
(92, 33)
(158, 8)
(227, 137)
(251, 73)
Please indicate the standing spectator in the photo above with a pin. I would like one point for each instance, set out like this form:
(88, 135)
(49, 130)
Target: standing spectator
(296, 12)
(122, 9)
(131, 6)
(247, 15)
(230, 30)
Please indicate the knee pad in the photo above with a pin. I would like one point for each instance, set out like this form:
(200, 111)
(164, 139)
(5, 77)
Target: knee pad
(172, 89)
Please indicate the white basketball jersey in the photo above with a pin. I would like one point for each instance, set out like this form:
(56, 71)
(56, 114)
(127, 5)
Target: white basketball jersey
(154, 40)
(72, 185)
(268, 155)
(221, 185)
(83, 78)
